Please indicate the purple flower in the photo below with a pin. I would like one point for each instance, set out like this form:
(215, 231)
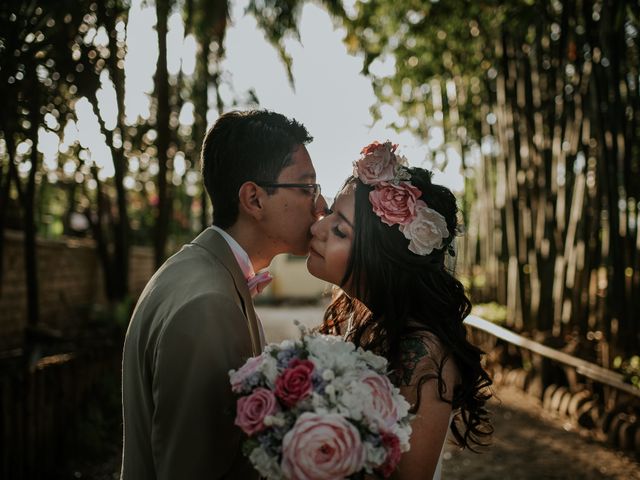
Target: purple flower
(284, 357)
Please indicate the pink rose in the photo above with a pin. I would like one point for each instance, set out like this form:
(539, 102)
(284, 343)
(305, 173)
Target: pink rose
(392, 444)
(253, 408)
(376, 146)
(294, 383)
(377, 164)
(380, 404)
(395, 204)
(237, 377)
(426, 231)
(322, 447)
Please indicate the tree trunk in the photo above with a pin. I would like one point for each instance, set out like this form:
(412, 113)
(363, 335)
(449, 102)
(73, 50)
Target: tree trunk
(162, 126)
(30, 250)
(5, 187)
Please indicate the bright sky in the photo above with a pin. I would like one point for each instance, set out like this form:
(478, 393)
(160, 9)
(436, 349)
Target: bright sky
(331, 97)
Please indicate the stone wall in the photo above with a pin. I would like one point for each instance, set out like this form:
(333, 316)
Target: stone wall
(70, 282)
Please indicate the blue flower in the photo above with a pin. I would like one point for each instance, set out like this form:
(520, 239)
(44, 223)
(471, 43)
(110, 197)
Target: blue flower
(284, 357)
(271, 440)
(318, 382)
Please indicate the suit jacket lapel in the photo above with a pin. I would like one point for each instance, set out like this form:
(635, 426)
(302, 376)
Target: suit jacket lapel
(217, 246)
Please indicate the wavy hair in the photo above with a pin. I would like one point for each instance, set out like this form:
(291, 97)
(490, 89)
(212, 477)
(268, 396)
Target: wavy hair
(424, 297)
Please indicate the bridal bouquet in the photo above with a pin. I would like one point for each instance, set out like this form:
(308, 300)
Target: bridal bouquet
(318, 408)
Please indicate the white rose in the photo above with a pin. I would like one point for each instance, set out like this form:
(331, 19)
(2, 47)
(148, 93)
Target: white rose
(427, 230)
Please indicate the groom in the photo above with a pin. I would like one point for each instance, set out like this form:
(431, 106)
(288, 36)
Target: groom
(195, 319)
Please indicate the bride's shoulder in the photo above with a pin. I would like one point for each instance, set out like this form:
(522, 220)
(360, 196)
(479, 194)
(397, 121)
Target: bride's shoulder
(422, 356)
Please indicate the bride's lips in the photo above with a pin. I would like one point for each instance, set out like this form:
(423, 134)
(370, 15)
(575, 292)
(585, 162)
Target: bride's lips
(313, 251)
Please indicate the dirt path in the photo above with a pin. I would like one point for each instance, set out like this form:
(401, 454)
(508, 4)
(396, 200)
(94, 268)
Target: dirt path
(529, 443)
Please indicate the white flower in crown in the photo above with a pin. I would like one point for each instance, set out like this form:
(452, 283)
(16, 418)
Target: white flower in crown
(426, 231)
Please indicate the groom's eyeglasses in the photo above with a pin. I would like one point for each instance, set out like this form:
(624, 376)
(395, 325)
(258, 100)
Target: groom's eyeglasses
(313, 188)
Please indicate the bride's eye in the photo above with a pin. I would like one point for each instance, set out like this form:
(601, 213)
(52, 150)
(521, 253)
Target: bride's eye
(338, 233)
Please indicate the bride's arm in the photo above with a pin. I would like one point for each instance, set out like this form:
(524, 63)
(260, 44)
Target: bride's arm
(432, 419)
(430, 428)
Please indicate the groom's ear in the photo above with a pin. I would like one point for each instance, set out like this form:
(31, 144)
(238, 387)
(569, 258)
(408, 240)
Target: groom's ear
(251, 198)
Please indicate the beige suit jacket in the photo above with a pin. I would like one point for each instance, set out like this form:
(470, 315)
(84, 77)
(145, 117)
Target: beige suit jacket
(193, 322)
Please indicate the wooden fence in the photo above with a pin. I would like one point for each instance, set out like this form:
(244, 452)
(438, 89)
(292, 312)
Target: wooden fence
(595, 398)
(57, 409)
(59, 401)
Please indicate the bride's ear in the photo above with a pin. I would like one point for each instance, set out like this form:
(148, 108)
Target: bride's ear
(251, 199)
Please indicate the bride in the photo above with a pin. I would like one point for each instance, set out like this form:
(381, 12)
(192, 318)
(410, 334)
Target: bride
(384, 243)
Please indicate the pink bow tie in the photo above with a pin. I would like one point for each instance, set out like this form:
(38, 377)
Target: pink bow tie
(258, 282)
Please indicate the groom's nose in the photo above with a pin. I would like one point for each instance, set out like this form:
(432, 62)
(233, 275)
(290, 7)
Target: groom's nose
(320, 207)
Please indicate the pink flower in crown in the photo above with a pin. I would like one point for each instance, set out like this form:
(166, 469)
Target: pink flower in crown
(377, 163)
(253, 409)
(391, 444)
(238, 377)
(380, 404)
(395, 204)
(322, 447)
(427, 230)
(376, 146)
(294, 383)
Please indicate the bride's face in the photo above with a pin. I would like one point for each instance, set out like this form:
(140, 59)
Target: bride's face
(332, 240)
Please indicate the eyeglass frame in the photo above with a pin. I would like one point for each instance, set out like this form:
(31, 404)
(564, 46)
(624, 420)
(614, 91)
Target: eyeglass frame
(317, 190)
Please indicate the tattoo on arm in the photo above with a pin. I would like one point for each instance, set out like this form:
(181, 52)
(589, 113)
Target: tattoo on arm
(412, 351)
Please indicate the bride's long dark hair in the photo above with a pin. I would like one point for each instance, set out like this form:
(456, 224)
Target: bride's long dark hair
(406, 293)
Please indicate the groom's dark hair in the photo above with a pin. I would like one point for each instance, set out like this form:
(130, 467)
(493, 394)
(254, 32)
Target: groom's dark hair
(246, 146)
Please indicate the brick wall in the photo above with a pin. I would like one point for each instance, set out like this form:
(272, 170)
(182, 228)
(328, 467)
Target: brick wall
(70, 281)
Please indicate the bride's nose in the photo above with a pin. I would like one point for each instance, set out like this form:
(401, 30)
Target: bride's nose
(316, 228)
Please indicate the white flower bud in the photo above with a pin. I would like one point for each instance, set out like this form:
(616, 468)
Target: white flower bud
(331, 391)
(328, 375)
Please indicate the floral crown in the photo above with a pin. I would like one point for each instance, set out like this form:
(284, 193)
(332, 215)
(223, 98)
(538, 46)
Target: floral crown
(396, 201)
